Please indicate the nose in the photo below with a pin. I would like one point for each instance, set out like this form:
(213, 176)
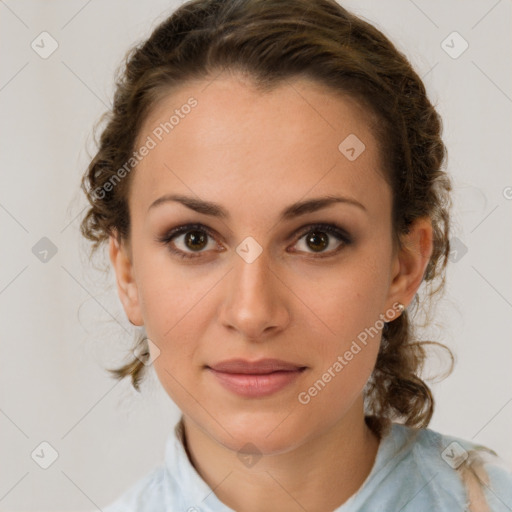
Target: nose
(254, 300)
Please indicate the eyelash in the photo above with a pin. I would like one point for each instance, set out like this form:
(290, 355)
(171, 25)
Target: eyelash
(331, 229)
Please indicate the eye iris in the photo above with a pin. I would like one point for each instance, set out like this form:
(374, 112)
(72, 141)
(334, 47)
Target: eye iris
(317, 240)
(196, 240)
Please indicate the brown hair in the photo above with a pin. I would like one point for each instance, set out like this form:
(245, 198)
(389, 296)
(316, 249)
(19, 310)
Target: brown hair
(272, 41)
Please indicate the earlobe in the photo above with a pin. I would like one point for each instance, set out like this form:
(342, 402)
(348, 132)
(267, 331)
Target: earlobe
(411, 261)
(126, 284)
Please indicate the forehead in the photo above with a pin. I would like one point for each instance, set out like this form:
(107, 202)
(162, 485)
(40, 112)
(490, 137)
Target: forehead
(284, 142)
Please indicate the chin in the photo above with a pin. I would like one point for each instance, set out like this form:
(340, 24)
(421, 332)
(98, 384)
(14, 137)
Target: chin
(267, 432)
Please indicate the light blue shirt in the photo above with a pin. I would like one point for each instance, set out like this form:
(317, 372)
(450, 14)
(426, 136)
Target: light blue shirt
(414, 471)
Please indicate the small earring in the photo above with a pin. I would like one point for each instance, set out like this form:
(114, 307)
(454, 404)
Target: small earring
(400, 308)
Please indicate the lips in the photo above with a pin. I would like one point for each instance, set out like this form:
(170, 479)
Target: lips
(255, 379)
(260, 367)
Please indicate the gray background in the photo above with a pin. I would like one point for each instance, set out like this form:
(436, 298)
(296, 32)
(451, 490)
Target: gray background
(61, 319)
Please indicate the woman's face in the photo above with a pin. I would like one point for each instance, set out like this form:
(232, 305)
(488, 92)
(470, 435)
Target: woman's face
(253, 278)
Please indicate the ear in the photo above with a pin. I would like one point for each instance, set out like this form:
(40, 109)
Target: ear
(410, 262)
(126, 284)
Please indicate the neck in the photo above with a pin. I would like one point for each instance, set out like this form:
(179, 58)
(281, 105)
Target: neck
(317, 475)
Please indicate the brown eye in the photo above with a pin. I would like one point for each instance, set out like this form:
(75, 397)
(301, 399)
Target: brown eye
(186, 240)
(196, 240)
(318, 238)
(317, 241)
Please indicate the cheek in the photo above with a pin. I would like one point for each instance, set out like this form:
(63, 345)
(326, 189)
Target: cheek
(176, 328)
(340, 377)
(345, 300)
(349, 302)
(169, 298)
(174, 319)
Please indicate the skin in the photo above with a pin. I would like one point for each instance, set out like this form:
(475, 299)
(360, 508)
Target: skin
(254, 154)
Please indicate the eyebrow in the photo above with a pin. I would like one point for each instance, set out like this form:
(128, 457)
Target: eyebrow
(292, 211)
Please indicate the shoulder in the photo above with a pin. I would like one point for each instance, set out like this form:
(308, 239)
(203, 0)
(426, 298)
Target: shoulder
(145, 495)
(451, 471)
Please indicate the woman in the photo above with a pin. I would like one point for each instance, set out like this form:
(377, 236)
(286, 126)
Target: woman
(270, 184)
